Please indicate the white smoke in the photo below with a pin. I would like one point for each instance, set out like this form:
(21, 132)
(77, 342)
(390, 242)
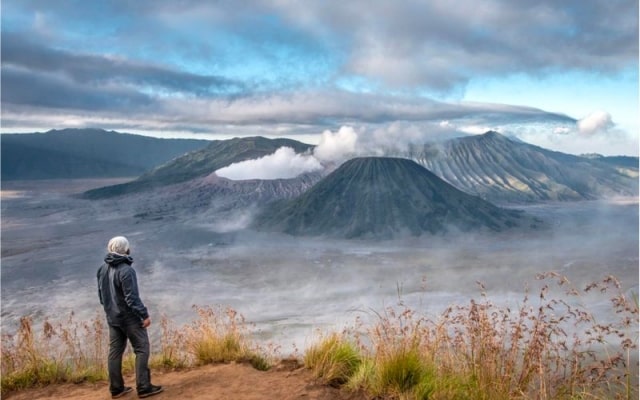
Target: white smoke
(282, 164)
(336, 147)
(561, 130)
(285, 163)
(399, 136)
(594, 123)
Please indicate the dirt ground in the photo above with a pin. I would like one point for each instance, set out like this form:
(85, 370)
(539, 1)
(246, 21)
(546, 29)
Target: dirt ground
(286, 381)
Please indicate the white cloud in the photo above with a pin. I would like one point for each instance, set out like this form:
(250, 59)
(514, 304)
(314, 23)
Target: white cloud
(594, 123)
(282, 164)
(568, 139)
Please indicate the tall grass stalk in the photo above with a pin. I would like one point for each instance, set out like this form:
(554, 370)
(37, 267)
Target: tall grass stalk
(172, 353)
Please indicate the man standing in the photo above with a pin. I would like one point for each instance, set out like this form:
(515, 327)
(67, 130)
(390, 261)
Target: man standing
(127, 318)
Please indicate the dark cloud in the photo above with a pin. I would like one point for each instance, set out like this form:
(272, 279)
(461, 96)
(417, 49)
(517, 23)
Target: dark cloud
(432, 44)
(439, 45)
(302, 112)
(270, 66)
(104, 70)
(29, 88)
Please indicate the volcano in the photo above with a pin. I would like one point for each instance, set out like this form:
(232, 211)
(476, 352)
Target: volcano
(381, 197)
(199, 164)
(503, 170)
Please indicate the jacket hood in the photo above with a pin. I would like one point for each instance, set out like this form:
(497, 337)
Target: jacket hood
(116, 259)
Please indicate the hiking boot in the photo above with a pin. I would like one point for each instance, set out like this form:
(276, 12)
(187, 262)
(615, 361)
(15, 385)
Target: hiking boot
(150, 391)
(127, 389)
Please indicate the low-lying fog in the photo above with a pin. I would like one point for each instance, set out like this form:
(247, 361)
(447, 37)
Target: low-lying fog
(52, 245)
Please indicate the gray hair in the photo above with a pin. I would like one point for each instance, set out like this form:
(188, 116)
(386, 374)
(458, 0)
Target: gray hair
(118, 245)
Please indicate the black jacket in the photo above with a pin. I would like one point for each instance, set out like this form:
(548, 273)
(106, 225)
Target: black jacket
(118, 291)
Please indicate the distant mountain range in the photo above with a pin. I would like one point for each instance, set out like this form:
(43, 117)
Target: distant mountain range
(86, 153)
(490, 166)
(377, 197)
(503, 170)
(616, 161)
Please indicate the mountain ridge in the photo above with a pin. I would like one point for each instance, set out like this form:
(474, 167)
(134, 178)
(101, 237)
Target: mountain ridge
(491, 165)
(385, 197)
(82, 153)
(200, 163)
(499, 169)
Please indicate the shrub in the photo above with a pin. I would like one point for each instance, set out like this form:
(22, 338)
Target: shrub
(218, 335)
(334, 360)
(402, 373)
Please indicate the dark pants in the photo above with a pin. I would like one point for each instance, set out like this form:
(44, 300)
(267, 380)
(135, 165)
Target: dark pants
(139, 339)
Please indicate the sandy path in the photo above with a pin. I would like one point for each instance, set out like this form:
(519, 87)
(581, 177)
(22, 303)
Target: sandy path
(215, 382)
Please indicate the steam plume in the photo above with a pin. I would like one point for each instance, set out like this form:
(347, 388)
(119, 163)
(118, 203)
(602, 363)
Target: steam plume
(282, 164)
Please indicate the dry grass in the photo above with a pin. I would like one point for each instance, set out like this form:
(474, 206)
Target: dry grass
(220, 335)
(59, 353)
(547, 348)
(334, 359)
(75, 351)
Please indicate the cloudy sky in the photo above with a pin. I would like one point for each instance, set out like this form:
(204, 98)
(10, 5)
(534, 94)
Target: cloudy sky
(560, 74)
